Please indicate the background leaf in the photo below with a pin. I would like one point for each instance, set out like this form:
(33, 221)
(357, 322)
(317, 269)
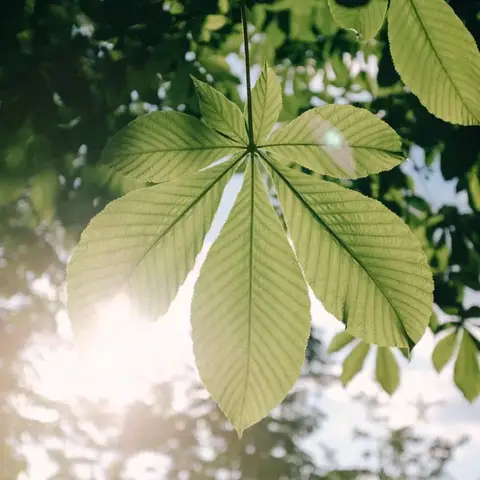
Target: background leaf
(339, 341)
(366, 20)
(437, 58)
(354, 362)
(443, 351)
(360, 259)
(337, 140)
(160, 146)
(250, 311)
(386, 370)
(466, 372)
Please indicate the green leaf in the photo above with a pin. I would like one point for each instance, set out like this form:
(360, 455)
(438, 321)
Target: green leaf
(339, 341)
(250, 310)
(386, 370)
(443, 351)
(360, 259)
(473, 188)
(11, 189)
(437, 58)
(43, 194)
(466, 373)
(267, 104)
(160, 146)
(365, 20)
(220, 113)
(337, 140)
(215, 22)
(354, 362)
(143, 245)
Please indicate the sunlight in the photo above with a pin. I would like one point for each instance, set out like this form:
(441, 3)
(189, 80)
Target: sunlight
(126, 356)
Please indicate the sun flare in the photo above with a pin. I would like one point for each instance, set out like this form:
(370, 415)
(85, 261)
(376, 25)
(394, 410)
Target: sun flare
(125, 357)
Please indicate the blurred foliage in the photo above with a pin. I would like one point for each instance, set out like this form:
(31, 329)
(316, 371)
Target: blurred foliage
(71, 74)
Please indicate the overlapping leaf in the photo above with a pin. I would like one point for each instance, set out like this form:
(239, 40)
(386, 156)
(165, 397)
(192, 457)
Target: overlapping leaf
(160, 146)
(437, 58)
(143, 245)
(221, 113)
(337, 140)
(365, 19)
(360, 259)
(250, 310)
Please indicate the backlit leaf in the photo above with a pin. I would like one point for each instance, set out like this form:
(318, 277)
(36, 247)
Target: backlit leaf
(267, 104)
(339, 341)
(337, 140)
(250, 310)
(437, 58)
(366, 20)
(220, 113)
(354, 362)
(143, 246)
(443, 351)
(360, 259)
(160, 146)
(466, 373)
(386, 370)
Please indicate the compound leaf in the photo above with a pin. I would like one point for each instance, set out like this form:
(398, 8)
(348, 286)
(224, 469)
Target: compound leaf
(366, 19)
(337, 140)
(360, 259)
(437, 58)
(221, 113)
(160, 146)
(143, 246)
(250, 311)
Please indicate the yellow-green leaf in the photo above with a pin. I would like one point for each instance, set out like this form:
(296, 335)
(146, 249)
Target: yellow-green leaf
(366, 20)
(339, 341)
(221, 113)
(466, 372)
(250, 310)
(386, 370)
(354, 362)
(143, 246)
(443, 351)
(360, 259)
(160, 146)
(437, 58)
(337, 140)
(267, 104)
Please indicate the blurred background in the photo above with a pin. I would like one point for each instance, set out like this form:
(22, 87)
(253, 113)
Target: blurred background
(72, 72)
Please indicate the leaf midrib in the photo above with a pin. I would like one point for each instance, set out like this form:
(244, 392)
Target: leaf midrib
(190, 149)
(422, 24)
(250, 290)
(340, 241)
